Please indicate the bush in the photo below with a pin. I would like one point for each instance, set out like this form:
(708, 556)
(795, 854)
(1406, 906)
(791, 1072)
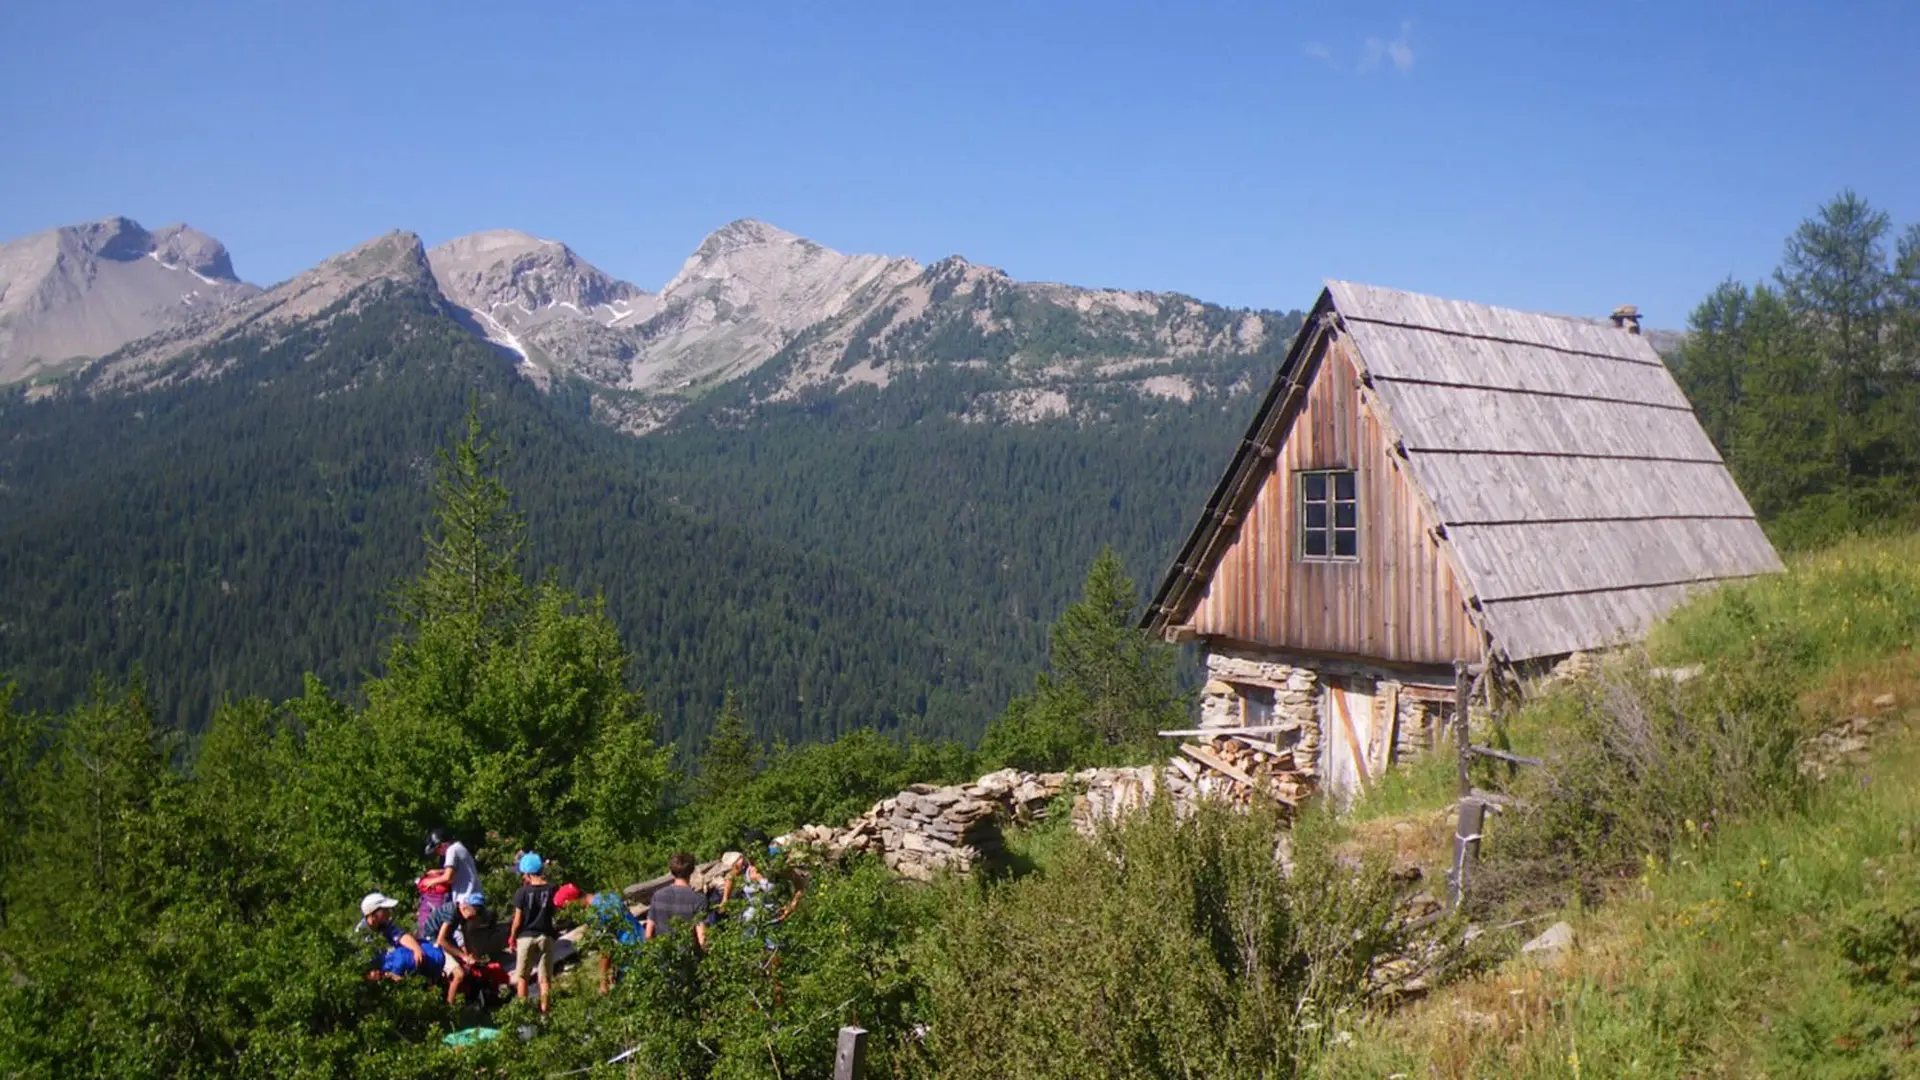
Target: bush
(1635, 761)
(1163, 948)
(742, 1010)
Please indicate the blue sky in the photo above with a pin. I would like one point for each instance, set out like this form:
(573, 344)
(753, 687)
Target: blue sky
(1563, 157)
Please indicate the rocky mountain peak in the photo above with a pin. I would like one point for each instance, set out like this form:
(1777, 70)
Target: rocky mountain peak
(751, 263)
(745, 233)
(82, 291)
(183, 245)
(508, 268)
(118, 238)
(393, 259)
(526, 293)
(398, 255)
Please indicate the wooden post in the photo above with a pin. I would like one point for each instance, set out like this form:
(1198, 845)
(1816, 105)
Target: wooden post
(850, 1062)
(1468, 816)
(1468, 822)
(1462, 692)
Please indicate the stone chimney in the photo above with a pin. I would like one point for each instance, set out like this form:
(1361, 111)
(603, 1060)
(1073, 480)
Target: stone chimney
(1627, 317)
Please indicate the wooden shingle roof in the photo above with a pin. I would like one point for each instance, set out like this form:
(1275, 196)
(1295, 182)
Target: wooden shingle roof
(1579, 495)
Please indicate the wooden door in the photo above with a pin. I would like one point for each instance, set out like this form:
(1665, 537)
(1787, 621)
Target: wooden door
(1346, 738)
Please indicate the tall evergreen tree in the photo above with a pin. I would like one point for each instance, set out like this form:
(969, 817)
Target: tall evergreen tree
(731, 758)
(1810, 387)
(1108, 688)
(475, 545)
(20, 738)
(1834, 278)
(507, 711)
(1125, 675)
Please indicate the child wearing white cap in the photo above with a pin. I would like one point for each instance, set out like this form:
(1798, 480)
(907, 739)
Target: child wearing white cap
(406, 953)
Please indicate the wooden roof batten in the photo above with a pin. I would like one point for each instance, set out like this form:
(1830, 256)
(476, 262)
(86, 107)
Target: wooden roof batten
(1226, 507)
(1565, 476)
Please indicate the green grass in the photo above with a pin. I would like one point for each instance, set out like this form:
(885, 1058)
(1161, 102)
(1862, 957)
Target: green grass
(1845, 605)
(1782, 942)
(1037, 847)
(1426, 783)
(1787, 947)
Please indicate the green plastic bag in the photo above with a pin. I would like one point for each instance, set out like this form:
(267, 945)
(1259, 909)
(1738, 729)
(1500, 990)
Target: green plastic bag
(469, 1036)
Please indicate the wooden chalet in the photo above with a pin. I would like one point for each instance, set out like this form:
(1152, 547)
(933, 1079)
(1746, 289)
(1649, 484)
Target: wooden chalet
(1430, 481)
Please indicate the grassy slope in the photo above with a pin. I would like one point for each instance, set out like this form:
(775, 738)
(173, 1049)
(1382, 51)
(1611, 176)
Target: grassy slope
(1786, 946)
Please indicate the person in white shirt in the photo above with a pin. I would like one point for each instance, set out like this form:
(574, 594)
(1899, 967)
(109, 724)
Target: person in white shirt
(457, 871)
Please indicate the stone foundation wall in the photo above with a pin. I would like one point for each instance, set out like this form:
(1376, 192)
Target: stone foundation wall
(926, 830)
(1296, 700)
(1297, 689)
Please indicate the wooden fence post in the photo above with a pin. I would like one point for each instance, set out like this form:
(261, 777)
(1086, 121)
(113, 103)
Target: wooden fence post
(1468, 820)
(850, 1062)
(1471, 812)
(1462, 691)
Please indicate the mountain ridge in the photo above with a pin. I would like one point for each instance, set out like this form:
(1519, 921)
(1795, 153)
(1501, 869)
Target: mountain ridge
(397, 257)
(83, 290)
(752, 305)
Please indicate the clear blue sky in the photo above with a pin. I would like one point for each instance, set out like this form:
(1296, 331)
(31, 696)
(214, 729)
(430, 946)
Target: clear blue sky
(1564, 157)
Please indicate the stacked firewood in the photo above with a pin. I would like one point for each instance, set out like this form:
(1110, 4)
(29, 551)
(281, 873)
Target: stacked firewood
(1254, 768)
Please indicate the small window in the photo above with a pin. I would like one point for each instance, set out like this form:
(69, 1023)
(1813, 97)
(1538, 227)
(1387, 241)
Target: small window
(1329, 515)
(1256, 705)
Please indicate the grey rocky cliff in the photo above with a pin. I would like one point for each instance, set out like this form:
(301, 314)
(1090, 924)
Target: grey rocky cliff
(542, 301)
(83, 291)
(756, 302)
(740, 298)
(747, 292)
(338, 285)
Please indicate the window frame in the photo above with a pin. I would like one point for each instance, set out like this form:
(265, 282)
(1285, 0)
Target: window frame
(1331, 529)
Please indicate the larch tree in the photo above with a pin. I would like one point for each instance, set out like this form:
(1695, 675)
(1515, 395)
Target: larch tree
(731, 758)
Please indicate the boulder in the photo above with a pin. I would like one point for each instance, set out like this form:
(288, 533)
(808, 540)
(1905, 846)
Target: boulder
(1553, 941)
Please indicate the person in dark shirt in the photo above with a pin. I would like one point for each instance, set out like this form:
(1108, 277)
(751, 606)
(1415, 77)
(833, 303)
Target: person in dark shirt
(447, 929)
(532, 929)
(679, 902)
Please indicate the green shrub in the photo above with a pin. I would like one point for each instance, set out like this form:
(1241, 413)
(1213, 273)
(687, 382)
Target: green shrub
(1163, 948)
(1636, 762)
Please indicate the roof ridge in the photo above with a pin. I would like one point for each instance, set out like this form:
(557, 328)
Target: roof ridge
(1584, 320)
(1426, 329)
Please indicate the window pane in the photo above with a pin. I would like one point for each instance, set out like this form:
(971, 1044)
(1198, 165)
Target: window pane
(1257, 704)
(1316, 487)
(1343, 485)
(1346, 543)
(1345, 515)
(1316, 543)
(1316, 515)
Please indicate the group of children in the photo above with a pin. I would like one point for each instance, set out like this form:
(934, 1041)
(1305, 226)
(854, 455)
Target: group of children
(452, 922)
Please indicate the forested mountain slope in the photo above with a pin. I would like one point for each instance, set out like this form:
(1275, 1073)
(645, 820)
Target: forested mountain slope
(867, 559)
(226, 534)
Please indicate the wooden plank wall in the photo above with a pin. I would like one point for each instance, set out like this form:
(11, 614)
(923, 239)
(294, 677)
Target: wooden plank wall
(1397, 602)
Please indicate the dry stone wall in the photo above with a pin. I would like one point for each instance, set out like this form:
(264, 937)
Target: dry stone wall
(1296, 704)
(1296, 700)
(926, 830)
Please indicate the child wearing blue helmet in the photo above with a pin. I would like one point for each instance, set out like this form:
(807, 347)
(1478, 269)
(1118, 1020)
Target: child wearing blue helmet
(532, 930)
